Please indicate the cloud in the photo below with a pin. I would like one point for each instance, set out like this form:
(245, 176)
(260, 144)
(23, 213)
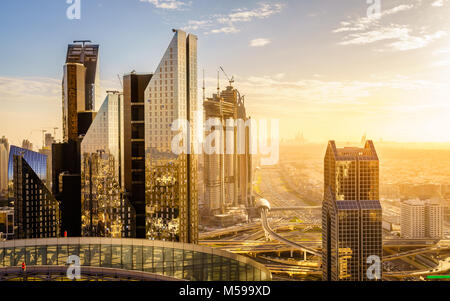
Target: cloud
(397, 36)
(259, 42)
(438, 3)
(401, 33)
(365, 23)
(410, 42)
(168, 4)
(228, 23)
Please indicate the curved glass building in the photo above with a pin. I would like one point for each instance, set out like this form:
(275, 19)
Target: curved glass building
(170, 259)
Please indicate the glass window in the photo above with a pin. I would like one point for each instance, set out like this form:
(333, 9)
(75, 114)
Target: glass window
(52, 255)
(41, 255)
(127, 256)
(94, 255)
(84, 255)
(148, 259)
(137, 258)
(116, 256)
(19, 256)
(105, 256)
(62, 254)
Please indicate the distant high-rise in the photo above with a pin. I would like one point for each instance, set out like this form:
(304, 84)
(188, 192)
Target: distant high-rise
(6, 223)
(134, 86)
(36, 211)
(4, 150)
(105, 208)
(171, 179)
(26, 144)
(351, 212)
(228, 174)
(422, 219)
(47, 150)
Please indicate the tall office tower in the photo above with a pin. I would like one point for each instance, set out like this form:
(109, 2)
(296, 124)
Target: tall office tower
(36, 211)
(134, 86)
(421, 219)
(227, 174)
(171, 179)
(26, 144)
(80, 89)
(49, 140)
(3, 171)
(104, 206)
(351, 212)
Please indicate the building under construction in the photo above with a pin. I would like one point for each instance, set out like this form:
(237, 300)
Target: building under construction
(227, 175)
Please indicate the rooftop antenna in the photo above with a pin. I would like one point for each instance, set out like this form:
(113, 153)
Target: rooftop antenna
(120, 81)
(203, 84)
(218, 83)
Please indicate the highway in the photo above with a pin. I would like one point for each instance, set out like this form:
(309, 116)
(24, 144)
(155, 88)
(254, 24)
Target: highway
(280, 238)
(443, 267)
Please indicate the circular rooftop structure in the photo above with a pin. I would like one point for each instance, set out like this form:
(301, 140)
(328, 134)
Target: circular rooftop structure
(263, 203)
(124, 259)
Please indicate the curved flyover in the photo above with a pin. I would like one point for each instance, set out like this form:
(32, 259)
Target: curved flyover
(133, 257)
(264, 206)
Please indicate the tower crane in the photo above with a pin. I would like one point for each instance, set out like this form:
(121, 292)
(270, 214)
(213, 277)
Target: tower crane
(231, 81)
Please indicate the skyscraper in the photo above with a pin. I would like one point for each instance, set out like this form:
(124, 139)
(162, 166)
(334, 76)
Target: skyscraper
(4, 149)
(171, 179)
(105, 208)
(134, 86)
(351, 212)
(36, 211)
(228, 174)
(80, 89)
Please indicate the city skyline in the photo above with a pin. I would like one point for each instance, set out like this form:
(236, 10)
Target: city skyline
(326, 85)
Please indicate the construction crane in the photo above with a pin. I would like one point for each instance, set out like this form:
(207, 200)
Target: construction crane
(231, 81)
(120, 81)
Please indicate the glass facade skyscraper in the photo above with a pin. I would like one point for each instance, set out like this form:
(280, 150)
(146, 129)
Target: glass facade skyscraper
(171, 179)
(351, 212)
(36, 211)
(37, 161)
(134, 86)
(3, 170)
(104, 206)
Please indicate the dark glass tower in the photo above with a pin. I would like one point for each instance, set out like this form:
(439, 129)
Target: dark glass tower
(36, 211)
(351, 212)
(134, 144)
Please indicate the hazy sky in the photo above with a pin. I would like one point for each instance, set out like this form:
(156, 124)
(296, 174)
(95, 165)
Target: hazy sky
(320, 66)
